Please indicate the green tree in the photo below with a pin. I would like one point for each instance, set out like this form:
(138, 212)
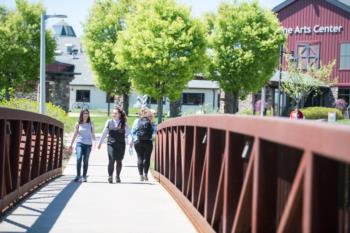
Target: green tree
(3, 13)
(244, 41)
(303, 81)
(162, 48)
(20, 46)
(105, 22)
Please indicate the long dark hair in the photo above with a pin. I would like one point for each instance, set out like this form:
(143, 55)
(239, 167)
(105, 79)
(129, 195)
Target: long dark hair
(122, 117)
(81, 119)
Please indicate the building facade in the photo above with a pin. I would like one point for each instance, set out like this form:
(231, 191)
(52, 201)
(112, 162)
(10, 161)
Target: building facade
(199, 95)
(83, 91)
(318, 33)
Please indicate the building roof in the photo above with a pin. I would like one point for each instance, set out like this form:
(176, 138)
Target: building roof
(203, 84)
(59, 67)
(69, 51)
(276, 75)
(63, 29)
(343, 4)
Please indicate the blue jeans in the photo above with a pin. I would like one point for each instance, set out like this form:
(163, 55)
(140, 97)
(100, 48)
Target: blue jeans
(83, 153)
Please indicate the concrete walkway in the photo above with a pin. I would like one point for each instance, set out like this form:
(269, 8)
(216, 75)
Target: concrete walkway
(97, 206)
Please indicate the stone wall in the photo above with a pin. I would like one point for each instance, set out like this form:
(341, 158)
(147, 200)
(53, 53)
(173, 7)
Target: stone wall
(248, 104)
(58, 90)
(31, 95)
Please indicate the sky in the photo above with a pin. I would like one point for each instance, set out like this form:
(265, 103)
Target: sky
(77, 10)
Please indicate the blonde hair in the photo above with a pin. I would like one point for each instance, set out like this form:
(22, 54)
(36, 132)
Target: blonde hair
(148, 113)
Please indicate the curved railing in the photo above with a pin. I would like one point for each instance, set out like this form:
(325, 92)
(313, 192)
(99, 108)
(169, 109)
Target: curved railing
(31, 147)
(251, 174)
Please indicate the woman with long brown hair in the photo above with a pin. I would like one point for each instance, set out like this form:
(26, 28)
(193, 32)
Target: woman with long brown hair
(84, 133)
(118, 131)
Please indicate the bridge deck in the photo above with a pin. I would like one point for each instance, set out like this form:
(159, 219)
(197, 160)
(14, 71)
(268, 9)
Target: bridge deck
(96, 206)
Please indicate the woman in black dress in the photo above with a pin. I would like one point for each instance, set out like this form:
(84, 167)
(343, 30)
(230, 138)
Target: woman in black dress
(117, 130)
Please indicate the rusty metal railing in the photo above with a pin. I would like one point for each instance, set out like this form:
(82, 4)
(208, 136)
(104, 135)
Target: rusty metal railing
(31, 147)
(250, 174)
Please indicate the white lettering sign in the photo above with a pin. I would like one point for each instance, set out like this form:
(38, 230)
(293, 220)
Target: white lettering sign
(317, 29)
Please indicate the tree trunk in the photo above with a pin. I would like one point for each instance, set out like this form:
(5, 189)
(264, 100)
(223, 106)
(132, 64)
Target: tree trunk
(117, 101)
(108, 104)
(253, 104)
(175, 108)
(160, 109)
(231, 102)
(126, 103)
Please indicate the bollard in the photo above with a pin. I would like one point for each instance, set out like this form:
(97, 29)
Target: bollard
(332, 117)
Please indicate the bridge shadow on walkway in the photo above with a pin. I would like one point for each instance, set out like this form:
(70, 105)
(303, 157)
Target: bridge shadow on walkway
(97, 206)
(40, 211)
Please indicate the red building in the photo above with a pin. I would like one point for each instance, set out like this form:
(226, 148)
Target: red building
(319, 32)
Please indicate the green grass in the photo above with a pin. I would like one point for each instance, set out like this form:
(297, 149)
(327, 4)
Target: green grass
(98, 121)
(99, 118)
(96, 111)
(343, 122)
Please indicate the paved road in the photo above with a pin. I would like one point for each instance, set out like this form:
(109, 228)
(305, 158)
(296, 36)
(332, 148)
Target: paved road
(97, 206)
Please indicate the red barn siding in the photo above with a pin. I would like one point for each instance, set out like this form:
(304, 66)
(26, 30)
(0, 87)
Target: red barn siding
(319, 12)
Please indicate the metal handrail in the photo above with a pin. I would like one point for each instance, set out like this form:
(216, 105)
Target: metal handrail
(254, 174)
(31, 147)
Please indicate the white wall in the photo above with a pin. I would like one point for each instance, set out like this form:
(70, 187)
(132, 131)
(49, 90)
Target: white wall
(98, 99)
(210, 100)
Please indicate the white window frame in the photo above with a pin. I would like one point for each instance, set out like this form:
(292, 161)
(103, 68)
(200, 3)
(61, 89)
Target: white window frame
(344, 55)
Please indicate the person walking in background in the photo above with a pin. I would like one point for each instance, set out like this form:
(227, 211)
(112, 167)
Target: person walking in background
(118, 132)
(84, 132)
(142, 132)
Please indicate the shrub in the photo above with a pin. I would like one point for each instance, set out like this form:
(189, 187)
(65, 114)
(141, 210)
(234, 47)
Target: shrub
(33, 106)
(245, 111)
(320, 113)
(340, 104)
(249, 111)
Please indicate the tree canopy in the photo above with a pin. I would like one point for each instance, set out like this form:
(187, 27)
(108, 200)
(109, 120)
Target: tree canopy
(244, 43)
(101, 32)
(20, 46)
(161, 48)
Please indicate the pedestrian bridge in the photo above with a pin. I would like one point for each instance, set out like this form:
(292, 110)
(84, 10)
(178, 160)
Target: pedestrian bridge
(211, 174)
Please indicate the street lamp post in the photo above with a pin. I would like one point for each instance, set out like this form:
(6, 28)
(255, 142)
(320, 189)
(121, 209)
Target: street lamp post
(263, 101)
(279, 83)
(280, 78)
(42, 88)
